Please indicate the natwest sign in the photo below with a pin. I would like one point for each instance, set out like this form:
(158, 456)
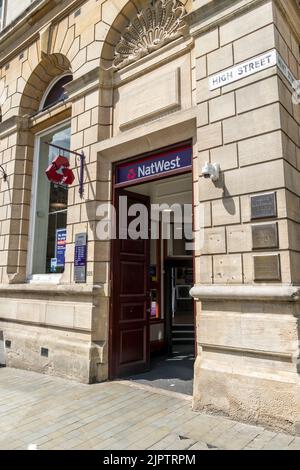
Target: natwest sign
(148, 168)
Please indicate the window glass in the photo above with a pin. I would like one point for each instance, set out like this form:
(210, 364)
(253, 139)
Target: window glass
(57, 92)
(51, 209)
(15, 8)
(1, 14)
(12, 9)
(179, 245)
(154, 275)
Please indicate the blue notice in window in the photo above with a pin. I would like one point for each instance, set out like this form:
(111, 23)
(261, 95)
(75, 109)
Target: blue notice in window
(61, 241)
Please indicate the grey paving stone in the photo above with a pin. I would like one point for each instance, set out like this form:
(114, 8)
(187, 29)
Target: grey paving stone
(199, 446)
(261, 440)
(174, 442)
(295, 444)
(279, 442)
(57, 414)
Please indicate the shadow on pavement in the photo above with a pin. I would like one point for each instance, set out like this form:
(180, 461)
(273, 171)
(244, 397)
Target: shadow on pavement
(173, 373)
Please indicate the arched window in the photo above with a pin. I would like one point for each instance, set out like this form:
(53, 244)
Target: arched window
(50, 204)
(56, 92)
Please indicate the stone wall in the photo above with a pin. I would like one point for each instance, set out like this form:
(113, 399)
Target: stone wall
(247, 364)
(248, 345)
(76, 37)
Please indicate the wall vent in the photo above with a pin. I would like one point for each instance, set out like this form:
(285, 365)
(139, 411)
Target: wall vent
(44, 352)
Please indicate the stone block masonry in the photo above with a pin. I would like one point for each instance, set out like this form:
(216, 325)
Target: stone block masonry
(242, 370)
(122, 102)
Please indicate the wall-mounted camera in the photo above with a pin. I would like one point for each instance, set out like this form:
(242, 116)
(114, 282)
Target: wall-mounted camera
(211, 170)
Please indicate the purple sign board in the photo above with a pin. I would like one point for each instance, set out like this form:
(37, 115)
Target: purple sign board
(149, 168)
(80, 261)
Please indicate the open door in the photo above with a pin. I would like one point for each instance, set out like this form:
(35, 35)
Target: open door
(130, 325)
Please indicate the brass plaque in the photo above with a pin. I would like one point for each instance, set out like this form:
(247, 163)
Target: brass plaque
(267, 268)
(265, 236)
(263, 206)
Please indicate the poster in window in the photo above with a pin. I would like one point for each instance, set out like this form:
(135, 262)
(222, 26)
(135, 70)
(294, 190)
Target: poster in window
(60, 251)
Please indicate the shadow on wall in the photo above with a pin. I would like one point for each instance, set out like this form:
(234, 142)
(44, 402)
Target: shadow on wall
(229, 205)
(228, 201)
(2, 350)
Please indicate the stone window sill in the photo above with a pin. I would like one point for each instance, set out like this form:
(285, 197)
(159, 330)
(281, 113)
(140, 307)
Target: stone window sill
(45, 279)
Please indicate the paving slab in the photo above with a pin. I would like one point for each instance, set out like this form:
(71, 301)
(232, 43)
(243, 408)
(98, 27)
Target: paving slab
(55, 414)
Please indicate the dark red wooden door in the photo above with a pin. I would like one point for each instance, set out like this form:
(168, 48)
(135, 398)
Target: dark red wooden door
(130, 328)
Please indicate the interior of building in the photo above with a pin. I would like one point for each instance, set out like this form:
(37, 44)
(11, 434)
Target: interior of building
(172, 324)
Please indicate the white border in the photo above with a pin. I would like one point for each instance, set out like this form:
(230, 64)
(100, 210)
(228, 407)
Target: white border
(38, 278)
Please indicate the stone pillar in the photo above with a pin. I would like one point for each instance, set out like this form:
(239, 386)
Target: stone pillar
(16, 157)
(248, 268)
(91, 109)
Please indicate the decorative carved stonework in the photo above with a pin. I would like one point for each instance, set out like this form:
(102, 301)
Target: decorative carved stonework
(159, 23)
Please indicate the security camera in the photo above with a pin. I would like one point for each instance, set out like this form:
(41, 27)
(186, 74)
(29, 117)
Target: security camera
(211, 171)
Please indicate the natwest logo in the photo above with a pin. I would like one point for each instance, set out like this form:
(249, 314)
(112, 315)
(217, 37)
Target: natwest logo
(59, 172)
(160, 166)
(151, 167)
(131, 174)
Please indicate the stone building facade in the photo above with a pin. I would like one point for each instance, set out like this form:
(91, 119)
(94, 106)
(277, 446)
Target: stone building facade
(220, 74)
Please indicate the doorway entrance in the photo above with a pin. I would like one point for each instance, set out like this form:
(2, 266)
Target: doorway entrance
(130, 287)
(152, 319)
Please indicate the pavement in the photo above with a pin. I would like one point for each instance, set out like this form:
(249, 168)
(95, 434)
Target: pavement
(42, 412)
(173, 373)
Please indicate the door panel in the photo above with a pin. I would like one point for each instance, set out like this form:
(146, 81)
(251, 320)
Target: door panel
(132, 312)
(132, 346)
(132, 246)
(130, 326)
(132, 276)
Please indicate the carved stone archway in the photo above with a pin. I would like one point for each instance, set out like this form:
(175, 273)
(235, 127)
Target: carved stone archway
(143, 27)
(51, 66)
(159, 23)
